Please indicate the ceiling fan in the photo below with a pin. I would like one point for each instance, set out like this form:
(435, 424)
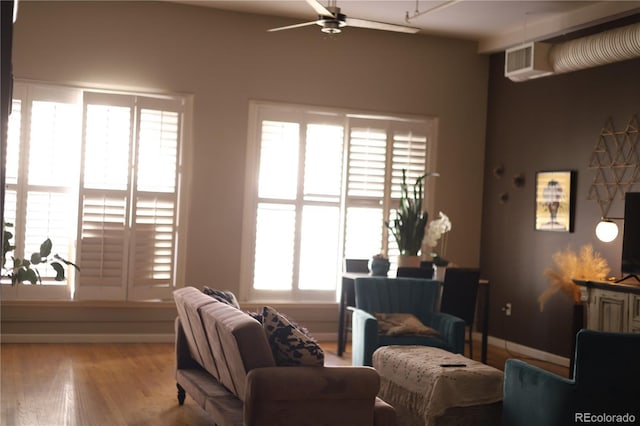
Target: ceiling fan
(332, 21)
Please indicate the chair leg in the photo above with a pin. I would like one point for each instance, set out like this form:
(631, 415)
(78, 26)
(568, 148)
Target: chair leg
(470, 342)
(347, 330)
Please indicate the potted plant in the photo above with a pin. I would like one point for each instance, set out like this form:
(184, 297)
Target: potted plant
(408, 226)
(22, 269)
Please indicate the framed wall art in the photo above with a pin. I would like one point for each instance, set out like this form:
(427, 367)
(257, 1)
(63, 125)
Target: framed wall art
(555, 201)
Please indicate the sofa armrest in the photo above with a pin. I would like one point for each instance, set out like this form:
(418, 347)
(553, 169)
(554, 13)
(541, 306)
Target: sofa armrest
(312, 396)
(533, 396)
(451, 328)
(364, 337)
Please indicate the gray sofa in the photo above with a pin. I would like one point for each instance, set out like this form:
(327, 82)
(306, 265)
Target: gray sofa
(225, 363)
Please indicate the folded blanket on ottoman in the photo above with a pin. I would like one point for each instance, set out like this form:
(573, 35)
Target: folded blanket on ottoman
(427, 382)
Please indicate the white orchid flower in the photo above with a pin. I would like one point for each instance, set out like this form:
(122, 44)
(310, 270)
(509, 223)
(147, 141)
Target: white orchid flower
(436, 228)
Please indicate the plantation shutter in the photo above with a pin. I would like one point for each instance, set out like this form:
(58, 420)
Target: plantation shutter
(276, 214)
(40, 194)
(104, 196)
(154, 227)
(128, 197)
(297, 221)
(409, 153)
(378, 152)
(366, 176)
(319, 188)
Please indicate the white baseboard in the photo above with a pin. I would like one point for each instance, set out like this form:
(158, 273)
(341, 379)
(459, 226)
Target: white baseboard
(87, 338)
(524, 350)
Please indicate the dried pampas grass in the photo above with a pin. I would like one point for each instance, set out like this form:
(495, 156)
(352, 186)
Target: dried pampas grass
(587, 265)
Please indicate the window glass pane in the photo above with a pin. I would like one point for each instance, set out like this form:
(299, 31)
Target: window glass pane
(319, 247)
(158, 151)
(363, 237)
(13, 143)
(323, 162)
(279, 160)
(54, 143)
(392, 247)
(108, 132)
(275, 230)
(367, 161)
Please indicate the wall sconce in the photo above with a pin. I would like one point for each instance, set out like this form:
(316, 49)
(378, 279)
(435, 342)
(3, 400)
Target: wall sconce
(615, 161)
(607, 229)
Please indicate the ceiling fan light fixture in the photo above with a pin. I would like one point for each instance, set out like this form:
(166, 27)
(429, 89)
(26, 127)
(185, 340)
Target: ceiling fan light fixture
(331, 27)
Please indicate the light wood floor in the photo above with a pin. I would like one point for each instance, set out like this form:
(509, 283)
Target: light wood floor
(113, 384)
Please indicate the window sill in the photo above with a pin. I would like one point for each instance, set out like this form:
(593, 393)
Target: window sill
(88, 303)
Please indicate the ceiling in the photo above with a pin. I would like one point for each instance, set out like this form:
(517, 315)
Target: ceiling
(495, 25)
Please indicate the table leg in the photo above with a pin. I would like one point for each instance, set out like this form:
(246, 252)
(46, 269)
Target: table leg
(341, 320)
(341, 327)
(485, 325)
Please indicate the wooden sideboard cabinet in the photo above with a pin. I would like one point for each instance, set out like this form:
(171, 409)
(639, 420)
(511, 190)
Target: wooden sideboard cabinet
(613, 307)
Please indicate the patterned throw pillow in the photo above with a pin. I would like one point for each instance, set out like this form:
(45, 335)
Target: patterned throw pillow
(222, 296)
(289, 344)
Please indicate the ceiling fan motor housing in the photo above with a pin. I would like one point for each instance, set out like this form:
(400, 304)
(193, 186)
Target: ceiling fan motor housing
(332, 24)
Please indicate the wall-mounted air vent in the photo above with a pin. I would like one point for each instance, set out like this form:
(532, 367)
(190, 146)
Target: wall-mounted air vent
(527, 61)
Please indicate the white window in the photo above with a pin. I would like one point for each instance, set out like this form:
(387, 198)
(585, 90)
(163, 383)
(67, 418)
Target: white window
(320, 184)
(98, 173)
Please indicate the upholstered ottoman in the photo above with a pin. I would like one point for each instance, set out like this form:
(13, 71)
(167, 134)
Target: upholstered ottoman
(432, 387)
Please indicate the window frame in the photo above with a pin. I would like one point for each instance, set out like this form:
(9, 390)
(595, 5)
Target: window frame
(289, 112)
(184, 158)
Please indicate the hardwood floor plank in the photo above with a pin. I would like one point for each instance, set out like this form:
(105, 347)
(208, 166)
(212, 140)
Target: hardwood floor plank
(114, 384)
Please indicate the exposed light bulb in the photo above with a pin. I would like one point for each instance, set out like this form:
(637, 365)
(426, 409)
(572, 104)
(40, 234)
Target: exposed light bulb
(606, 231)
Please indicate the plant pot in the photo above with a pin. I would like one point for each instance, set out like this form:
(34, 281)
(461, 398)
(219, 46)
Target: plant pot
(409, 261)
(379, 267)
(439, 272)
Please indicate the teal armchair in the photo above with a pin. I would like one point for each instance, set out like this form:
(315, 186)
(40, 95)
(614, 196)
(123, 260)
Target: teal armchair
(606, 381)
(420, 297)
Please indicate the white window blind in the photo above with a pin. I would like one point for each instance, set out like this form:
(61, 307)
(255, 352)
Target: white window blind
(325, 180)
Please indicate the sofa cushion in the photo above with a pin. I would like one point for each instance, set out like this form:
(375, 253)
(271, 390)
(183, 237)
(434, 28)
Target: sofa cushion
(238, 344)
(188, 303)
(290, 345)
(223, 296)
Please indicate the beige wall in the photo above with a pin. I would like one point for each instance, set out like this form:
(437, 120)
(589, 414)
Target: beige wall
(226, 59)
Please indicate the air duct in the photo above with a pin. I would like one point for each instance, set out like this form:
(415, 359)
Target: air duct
(591, 51)
(599, 49)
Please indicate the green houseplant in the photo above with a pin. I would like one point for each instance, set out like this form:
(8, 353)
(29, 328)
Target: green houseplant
(23, 269)
(408, 226)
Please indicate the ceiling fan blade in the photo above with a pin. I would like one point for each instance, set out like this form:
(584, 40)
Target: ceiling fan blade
(289, 27)
(363, 23)
(319, 8)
